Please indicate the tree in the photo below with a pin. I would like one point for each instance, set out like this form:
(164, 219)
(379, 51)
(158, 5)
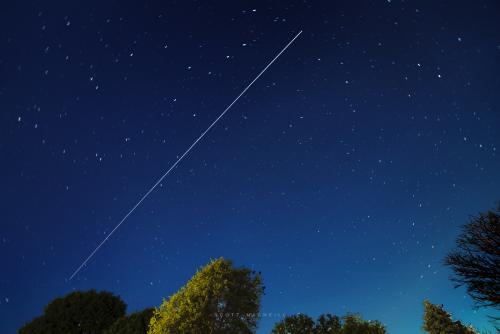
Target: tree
(354, 324)
(295, 324)
(77, 313)
(327, 324)
(218, 299)
(136, 323)
(438, 321)
(476, 261)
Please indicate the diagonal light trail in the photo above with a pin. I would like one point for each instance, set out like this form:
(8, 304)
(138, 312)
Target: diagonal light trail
(181, 157)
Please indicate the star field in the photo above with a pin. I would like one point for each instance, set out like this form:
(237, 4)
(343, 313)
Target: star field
(343, 175)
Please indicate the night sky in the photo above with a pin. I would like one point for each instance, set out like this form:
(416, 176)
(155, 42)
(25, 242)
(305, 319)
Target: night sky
(343, 175)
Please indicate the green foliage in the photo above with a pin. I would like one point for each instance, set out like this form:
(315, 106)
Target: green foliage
(328, 324)
(295, 324)
(136, 323)
(78, 313)
(438, 321)
(353, 324)
(218, 299)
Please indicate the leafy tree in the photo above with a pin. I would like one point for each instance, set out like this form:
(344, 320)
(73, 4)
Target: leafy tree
(438, 321)
(78, 313)
(136, 323)
(476, 261)
(39, 325)
(218, 299)
(295, 324)
(328, 324)
(353, 324)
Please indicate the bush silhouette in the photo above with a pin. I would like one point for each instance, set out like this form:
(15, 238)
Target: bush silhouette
(135, 323)
(328, 324)
(79, 312)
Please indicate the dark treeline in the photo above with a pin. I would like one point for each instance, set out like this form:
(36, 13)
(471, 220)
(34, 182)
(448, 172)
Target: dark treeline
(223, 299)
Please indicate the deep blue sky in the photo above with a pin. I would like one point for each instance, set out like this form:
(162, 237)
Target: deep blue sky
(343, 175)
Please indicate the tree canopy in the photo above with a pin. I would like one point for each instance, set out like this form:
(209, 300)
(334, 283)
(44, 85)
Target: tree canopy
(219, 298)
(328, 324)
(135, 323)
(438, 321)
(294, 324)
(476, 261)
(79, 312)
(354, 324)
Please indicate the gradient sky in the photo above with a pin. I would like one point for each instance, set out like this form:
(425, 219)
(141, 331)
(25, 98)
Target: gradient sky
(343, 175)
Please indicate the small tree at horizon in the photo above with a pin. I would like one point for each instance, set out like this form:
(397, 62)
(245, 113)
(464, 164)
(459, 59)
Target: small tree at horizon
(294, 324)
(354, 324)
(438, 321)
(328, 324)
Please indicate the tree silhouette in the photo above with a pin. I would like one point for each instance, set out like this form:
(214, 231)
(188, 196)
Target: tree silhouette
(294, 324)
(78, 313)
(135, 323)
(438, 321)
(327, 324)
(354, 324)
(476, 261)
